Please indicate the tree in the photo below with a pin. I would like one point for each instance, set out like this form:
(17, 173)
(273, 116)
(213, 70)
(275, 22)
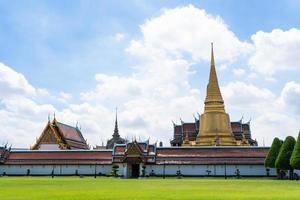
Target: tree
(273, 153)
(295, 158)
(283, 159)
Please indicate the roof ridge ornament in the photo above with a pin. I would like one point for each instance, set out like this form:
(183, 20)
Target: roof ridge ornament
(54, 117)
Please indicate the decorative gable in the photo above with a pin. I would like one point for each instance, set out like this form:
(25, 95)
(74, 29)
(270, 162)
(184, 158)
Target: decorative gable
(49, 137)
(133, 150)
(133, 153)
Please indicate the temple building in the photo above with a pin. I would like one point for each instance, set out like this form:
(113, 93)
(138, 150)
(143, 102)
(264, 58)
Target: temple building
(59, 136)
(213, 128)
(209, 146)
(188, 131)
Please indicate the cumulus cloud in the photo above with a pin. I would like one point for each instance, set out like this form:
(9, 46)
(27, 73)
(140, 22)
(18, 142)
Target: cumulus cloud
(188, 30)
(290, 97)
(149, 99)
(276, 51)
(272, 114)
(112, 87)
(12, 82)
(247, 96)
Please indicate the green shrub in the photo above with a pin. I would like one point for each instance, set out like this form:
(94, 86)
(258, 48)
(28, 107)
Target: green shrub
(115, 169)
(273, 153)
(283, 159)
(295, 158)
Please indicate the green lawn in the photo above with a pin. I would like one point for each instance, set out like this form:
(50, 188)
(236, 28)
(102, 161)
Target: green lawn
(89, 188)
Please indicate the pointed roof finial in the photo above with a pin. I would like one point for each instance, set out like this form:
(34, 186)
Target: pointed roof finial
(249, 121)
(116, 130)
(195, 118)
(116, 113)
(213, 100)
(54, 118)
(173, 123)
(182, 122)
(49, 118)
(241, 120)
(212, 59)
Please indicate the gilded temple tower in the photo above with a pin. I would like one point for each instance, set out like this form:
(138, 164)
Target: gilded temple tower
(215, 128)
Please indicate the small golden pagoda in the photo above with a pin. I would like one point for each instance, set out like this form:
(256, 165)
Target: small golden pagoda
(215, 128)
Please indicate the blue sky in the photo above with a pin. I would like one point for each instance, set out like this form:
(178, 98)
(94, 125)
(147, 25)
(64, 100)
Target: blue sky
(47, 38)
(73, 56)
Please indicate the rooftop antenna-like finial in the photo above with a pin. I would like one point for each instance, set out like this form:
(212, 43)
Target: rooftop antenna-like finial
(116, 130)
(241, 120)
(249, 120)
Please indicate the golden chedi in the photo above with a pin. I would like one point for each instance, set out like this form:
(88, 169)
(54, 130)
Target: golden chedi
(215, 128)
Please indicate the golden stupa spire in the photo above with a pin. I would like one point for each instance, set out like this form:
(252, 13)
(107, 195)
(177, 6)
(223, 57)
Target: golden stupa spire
(215, 126)
(213, 100)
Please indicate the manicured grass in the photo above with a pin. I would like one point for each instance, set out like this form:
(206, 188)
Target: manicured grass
(89, 188)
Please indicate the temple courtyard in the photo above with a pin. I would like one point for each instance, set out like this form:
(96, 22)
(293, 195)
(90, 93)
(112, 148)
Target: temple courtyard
(84, 188)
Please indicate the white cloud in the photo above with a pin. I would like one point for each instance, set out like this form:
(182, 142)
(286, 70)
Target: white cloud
(275, 51)
(112, 87)
(290, 97)
(12, 82)
(188, 30)
(246, 96)
(64, 97)
(119, 37)
(272, 115)
(26, 106)
(239, 71)
(223, 67)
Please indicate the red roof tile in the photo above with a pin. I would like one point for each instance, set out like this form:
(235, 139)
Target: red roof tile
(59, 157)
(69, 132)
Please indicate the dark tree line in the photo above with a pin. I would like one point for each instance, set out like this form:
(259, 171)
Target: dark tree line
(284, 156)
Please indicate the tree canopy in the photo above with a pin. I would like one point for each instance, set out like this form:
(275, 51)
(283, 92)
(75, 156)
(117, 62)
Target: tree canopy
(273, 153)
(295, 158)
(283, 158)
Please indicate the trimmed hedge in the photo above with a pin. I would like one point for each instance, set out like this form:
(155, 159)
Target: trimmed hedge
(295, 158)
(273, 153)
(283, 159)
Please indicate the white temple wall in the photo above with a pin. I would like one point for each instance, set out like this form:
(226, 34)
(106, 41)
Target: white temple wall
(57, 169)
(187, 170)
(213, 170)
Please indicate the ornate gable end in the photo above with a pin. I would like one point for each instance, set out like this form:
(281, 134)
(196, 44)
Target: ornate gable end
(133, 154)
(49, 136)
(133, 150)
